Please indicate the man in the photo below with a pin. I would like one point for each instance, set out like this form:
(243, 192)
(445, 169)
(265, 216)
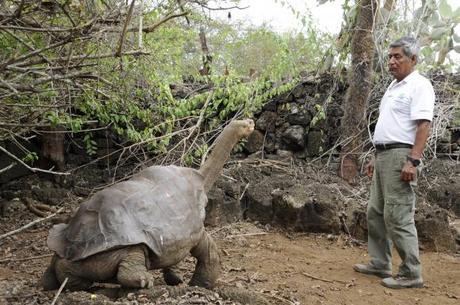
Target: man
(400, 136)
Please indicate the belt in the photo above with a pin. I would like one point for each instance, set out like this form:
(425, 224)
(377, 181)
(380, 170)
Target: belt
(392, 146)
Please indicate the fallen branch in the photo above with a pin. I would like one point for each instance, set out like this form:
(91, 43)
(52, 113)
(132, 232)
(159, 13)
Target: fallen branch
(30, 224)
(244, 191)
(59, 291)
(323, 280)
(5, 260)
(249, 234)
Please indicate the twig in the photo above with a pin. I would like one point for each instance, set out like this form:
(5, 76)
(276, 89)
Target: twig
(7, 168)
(281, 299)
(59, 291)
(33, 53)
(30, 224)
(151, 28)
(84, 57)
(33, 169)
(323, 280)
(244, 191)
(125, 26)
(5, 260)
(249, 234)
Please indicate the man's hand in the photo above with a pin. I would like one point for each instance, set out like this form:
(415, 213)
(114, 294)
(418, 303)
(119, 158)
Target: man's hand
(369, 168)
(408, 172)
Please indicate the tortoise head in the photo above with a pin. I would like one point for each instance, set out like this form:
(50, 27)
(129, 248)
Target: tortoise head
(243, 127)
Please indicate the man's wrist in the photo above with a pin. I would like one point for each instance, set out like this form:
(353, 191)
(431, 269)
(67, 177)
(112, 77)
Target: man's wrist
(414, 161)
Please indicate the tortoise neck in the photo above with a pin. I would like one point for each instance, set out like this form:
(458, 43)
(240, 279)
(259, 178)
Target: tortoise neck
(213, 165)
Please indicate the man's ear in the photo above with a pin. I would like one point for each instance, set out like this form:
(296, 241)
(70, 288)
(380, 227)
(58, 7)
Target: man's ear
(414, 59)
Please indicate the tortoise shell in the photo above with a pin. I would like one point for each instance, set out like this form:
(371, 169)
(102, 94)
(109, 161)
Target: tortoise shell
(161, 207)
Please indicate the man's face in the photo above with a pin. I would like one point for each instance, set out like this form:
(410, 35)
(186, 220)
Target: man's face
(399, 64)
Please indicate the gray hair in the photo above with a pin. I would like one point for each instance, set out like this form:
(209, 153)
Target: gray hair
(409, 45)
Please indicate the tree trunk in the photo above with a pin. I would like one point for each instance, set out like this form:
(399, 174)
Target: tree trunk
(206, 57)
(356, 102)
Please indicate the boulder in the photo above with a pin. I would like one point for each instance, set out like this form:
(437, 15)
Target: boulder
(223, 205)
(294, 137)
(312, 208)
(255, 142)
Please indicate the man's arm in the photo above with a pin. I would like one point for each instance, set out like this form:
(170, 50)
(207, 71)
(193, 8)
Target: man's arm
(409, 171)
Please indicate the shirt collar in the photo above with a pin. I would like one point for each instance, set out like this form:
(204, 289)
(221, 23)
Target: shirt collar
(405, 80)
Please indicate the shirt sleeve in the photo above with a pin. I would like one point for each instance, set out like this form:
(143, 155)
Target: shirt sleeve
(422, 104)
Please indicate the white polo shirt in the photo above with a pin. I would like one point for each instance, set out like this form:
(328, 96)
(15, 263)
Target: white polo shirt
(404, 102)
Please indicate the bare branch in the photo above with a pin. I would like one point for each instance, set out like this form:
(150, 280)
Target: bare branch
(33, 169)
(36, 52)
(125, 27)
(153, 27)
(31, 224)
(8, 167)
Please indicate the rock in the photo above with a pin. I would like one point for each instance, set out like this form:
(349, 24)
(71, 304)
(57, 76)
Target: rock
(255, 142)
(299, 91)
(311, 208)
(258, 201)
(299, 116)
(270, 106)
(358, 224)
(315, 143)
(270, 145)
(11, 207)
(294, 137)
(267, 121)
(433, 229)
(49, 195)
(223, 203)
(447, 195)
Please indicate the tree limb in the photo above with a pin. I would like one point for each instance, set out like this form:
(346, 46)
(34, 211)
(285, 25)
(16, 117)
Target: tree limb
(33, 169)
(30, 224)
(125, 27)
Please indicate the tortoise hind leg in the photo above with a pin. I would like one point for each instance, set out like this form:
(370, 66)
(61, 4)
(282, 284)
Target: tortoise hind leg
(171, 276)
(132, 270)
(208, 267)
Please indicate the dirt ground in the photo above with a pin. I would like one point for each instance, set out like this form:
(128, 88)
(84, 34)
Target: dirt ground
(286, 267)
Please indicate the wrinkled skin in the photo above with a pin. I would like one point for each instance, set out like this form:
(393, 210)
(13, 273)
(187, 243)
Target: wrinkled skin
(129, 267)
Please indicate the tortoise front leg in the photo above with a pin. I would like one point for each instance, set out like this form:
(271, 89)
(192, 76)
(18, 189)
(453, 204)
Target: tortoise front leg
(171, 275)
(132, 270)
(72, 271)
(208, 266)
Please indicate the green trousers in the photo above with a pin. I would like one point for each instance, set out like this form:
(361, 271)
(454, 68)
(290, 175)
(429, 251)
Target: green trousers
(390, 215)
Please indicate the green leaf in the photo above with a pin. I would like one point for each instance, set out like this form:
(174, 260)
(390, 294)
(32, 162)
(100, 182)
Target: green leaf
(427, 51)
(445, 9)
(437, 33)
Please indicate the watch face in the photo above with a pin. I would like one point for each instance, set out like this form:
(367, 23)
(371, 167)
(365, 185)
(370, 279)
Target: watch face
(415, 162)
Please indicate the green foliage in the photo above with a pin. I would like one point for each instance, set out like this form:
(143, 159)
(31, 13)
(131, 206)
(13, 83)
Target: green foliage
(319, 116)
(90, 144)
(30, 157)
(131, 95)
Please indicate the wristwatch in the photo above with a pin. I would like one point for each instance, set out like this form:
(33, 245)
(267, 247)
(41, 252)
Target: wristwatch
(415, 162)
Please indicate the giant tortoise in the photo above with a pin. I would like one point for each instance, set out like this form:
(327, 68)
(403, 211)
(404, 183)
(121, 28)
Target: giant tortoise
(151, 221)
